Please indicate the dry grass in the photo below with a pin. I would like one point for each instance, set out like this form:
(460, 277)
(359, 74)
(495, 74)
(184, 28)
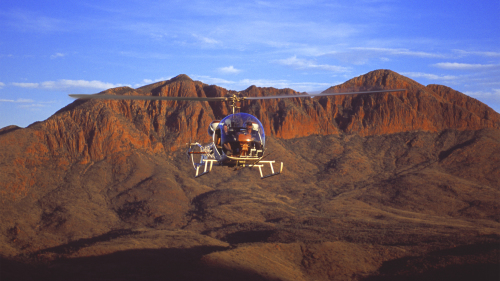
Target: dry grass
(409, 205)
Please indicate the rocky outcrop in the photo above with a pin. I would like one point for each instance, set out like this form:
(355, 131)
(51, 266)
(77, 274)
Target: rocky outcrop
(89, 131)
(102, 190)
(289, 118)
(432, 108)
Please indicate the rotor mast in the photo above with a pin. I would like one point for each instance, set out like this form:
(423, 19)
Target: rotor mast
(234, 100)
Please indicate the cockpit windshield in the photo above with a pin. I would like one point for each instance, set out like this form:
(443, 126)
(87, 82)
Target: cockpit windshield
(242, 135)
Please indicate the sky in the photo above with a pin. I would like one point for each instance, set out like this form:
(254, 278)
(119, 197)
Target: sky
(49, 49)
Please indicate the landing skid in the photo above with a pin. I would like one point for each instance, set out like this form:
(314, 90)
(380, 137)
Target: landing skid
(209, 156)
(208, 164)
(272, 169)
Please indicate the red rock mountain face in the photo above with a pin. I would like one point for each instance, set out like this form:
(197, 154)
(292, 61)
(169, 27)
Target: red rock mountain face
(375, 187)
(432, 108)
(88, 131)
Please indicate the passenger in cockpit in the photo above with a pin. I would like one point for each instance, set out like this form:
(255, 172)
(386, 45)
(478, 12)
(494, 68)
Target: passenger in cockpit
(229, 137)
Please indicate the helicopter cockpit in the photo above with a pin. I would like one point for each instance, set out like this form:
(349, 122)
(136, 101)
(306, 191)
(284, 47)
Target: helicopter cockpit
(242, 135)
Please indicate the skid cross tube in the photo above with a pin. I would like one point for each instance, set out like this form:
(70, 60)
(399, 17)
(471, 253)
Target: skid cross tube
(206, 161)
(272, 169)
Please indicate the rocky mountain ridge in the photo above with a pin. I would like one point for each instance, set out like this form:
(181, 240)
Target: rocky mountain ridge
(370, 182)
(88, 131)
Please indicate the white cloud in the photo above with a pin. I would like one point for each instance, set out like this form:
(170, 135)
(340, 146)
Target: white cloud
(33, 21)
(485, 54)
(146, 55)
(206, 40)
(402, 52)
(463, 66)
(1, 85)
(26, 85)
(279, 84)
(494, 94)
(492, 98)
(68, 84)
(17, 101)
(57, 55)
(229, 70)
(310, 64)
(33, 105)
(213, 81)
(151, 81)
(429, 76)
(77, 84)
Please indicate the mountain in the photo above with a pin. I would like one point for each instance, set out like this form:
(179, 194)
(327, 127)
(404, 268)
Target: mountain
(379, 186)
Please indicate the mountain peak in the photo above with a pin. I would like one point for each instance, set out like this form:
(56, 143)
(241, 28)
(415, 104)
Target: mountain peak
(180, 77)
(102, 181)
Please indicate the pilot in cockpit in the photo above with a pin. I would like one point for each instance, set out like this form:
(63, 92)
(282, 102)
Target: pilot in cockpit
(249, 131)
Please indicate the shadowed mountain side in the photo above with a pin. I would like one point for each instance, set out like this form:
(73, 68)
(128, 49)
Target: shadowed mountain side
(369, 182)
(470, 262)
(89, 131)
(143, 264)
(387, 197)
(327, 261)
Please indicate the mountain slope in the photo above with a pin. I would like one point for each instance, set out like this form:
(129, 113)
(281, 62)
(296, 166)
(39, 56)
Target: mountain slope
(103, 188)
(432, 108)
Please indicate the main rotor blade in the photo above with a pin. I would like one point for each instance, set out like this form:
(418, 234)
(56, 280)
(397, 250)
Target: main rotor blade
(115, 97)
(120, 97)
(321, 95)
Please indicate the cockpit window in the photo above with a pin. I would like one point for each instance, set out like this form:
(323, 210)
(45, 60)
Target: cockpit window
(241, 135)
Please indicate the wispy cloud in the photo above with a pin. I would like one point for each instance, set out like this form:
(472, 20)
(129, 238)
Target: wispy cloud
(492, 98)
(485, 54)
(229, 70)
(400, 52)
(429, 76)
(31, 21)
(206, 40)
(494, 94)
(1, 85)
(26, 85)
(57, 55)
(68, 84)
(310, 64)
(146, 55)
(279, 84)
(213, 80)
(151, 81)
(17, 101)
(463, 66)
(33, 105)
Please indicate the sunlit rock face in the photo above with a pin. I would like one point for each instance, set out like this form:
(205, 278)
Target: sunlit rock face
(432, 108)
(102, 189)
(88, 131)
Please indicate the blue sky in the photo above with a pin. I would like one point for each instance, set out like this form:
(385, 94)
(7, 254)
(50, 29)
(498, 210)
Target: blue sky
(49, 49)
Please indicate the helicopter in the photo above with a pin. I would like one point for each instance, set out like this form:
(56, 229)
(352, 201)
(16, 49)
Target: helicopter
(238, 140)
